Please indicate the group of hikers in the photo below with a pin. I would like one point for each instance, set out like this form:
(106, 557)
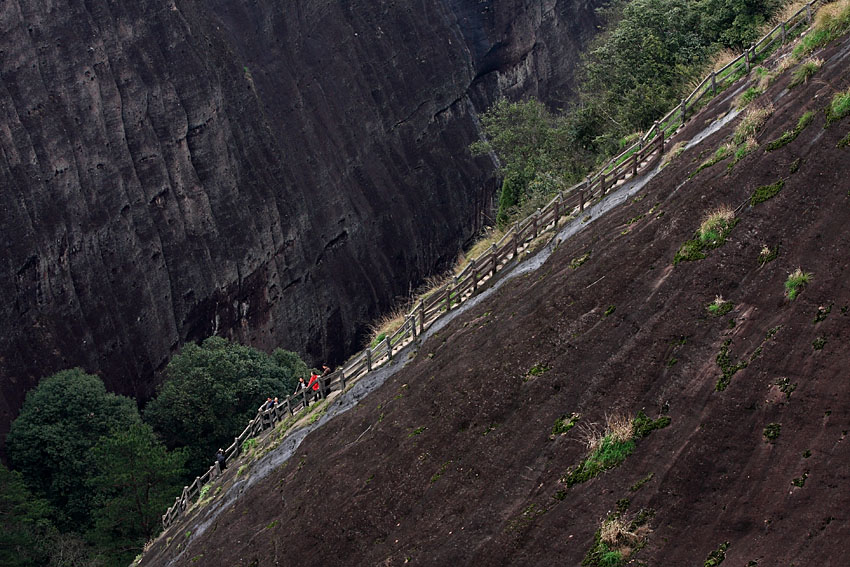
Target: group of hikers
(313, 384)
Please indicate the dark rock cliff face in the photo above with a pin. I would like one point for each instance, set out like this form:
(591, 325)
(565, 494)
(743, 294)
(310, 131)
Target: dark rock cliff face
(274, 171)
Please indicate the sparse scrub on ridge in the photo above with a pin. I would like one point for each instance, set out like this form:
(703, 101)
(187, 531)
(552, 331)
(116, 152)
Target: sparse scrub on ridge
(713, 231)
(805, 71)
(765, 192)
(752, 122)
(839, 107)
(797, 280)
(790, 135)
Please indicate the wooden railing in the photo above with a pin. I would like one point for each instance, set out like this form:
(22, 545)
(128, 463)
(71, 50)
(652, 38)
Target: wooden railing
(480, 272)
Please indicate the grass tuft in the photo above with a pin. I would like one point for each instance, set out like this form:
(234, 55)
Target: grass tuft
(752, 122)
(797, 280)
(719, 306)
(839, 107)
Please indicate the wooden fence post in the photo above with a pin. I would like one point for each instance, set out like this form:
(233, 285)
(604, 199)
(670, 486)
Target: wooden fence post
(389, 348)
(784, 33)
(368, 360)
(421, 317)
(558, 209)
(713, 83)
(809, 12)
(536, 222)
(342, 374)
(684, 111)
(661, 144)
(289, 405)
(635, 162)
(747, 59)
(495, 259)
(473, 271)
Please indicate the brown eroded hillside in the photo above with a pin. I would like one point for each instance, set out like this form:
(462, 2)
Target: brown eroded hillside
(453, 460)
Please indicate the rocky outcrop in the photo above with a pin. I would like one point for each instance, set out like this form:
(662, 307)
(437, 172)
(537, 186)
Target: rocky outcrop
(277, 172)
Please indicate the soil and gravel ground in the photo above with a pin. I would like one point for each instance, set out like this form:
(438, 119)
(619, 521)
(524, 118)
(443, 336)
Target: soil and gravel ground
(452, 462)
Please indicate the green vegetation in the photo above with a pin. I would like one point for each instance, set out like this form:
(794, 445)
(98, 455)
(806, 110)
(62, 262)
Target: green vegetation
(212, 390)
(786, 387)
(416, 431)
(790, 135)
(726, 367)
(805, 71)
(537, 370)
(576, 262)
(564, 423)
(618, 538)
(819, 343)
(822, 313)
(636, 486)
(839, 107)
(649, 58)
(749, 95)
(51, 441)
(136, 480)
(795, 283)
(765, 192)
(800, 481)
(752, 122)
(712, 233)
(844, 142)
(717, 556)
(771, 432)
(767, 254)
(720, 154)
(830, 25)
(719, 306)
(610, 310)
(610, 448)
(27, 534)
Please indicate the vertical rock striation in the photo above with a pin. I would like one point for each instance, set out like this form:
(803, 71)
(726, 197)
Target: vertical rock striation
(275, 171)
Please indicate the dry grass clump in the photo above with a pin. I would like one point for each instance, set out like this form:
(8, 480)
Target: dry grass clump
(752, 122)
(615, 534)
(618, 428)
(716, 223)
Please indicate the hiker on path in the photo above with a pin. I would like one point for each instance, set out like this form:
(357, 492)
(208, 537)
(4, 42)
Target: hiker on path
(314, 383)
(221, 459)
(299, 388)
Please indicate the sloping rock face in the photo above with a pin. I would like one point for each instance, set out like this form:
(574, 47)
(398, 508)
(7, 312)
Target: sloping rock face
(455, 459)
(278, 172)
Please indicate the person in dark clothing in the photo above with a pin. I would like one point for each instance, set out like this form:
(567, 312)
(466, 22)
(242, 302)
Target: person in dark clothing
(221, 459)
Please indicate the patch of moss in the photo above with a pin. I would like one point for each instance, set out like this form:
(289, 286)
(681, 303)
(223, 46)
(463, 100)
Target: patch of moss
(819, 343)
(771, 432)
(800, 481)
(609, 454)
(564, 423)
(719, 307)
(720, 154)
(786, 387)
(537, 370)
(844, 142)
(576, 262)
(795, 166)
(765, 192)
(790, 135)
(636, 486)
(717, 556)
(610, 310)
(838, 108)
(726, 367)
(643, 426)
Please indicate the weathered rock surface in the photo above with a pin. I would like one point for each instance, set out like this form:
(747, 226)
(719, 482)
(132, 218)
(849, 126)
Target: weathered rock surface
(273, 171)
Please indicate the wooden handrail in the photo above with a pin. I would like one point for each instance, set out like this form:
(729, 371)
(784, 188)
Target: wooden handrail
(432, 308)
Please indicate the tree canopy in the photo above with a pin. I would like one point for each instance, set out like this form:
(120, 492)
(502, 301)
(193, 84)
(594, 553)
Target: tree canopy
(50, 442)
(211, 392)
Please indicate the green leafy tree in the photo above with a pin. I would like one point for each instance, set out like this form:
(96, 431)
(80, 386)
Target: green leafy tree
(291, 362)
(24, 522)
(50, 442)
(211, 392)
(136, 479)
(530, 141)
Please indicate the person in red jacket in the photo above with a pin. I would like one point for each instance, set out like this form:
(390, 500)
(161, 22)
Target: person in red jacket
(314, 383)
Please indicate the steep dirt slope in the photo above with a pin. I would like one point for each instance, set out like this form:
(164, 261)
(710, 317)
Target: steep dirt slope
(451, 461)
(273, 171)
